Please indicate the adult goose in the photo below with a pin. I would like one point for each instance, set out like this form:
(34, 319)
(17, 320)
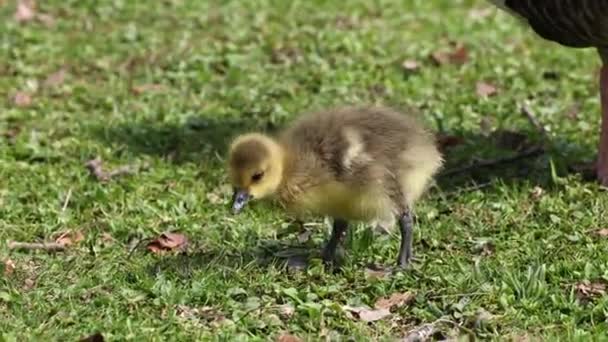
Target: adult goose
(577, 24)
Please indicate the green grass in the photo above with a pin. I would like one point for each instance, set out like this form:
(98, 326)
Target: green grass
(230, 66)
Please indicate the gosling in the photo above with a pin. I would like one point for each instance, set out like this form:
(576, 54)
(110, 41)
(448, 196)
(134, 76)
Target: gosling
(349, 163)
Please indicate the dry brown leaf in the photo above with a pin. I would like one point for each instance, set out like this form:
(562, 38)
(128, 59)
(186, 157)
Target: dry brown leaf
(95, 167)
(586, 289)
(486, 125)
(410, 65)
(145, 88)
(286, 310)
(602, 232)
(368, 315)
(168, 242)
(484, 89)
(484, 247)
(206, 315)
(9, 267)
(286, 55)
(304, 236)
(459, 55)
(69, 238)
(288, 338)
(45, 19)
(56, 79)
(220, 195)
(106, 237)
(395, 300)
(480, 13)
(28, 284)
(21, 99)
(25, 11)
(376, 273)
(537, 192)
(573, 111)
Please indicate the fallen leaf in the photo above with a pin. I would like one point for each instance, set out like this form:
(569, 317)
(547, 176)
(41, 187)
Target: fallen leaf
(376, 273)
(46, 19)
(288, 338)
(304, 236)
(107, 238)
(586, 289)
(602, 232)
(25, 11)
(484, 247)
(286, 55)
(482, 318)
(205, 314)
(286, 310)
(21, 99)
(69, 238)
(168, 242)
(573, 111)
(445, 140)
(95, 167)
(480, 13)
(537, 192)
(410, 65)
(367, 315)
(485, 89)
(9, 267)
(345, 22)
(11, 134)
(459, 55)
(145, 88)
(486, 125)
(421, 333)
(220, 195)
(55, 79)
(28, 284)
(97, 337)
(395, 300)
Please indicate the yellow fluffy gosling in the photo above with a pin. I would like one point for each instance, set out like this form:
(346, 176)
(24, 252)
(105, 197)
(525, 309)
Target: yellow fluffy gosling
(350, 163)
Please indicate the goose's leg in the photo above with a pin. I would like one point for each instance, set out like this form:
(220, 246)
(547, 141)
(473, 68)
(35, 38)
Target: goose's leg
(406, 226)
(337, 235)
(602, 161)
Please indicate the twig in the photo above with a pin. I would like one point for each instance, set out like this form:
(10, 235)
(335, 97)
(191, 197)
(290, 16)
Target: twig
(95, 166)
(532, 152)
(67, 200)
(425, 331)
(47, 246)
(525, 109)
(135, 244)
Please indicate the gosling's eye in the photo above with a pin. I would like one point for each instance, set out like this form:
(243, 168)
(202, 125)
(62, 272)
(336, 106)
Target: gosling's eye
(257, 176)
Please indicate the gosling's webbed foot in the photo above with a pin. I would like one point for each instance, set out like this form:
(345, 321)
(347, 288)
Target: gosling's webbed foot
(337, 235)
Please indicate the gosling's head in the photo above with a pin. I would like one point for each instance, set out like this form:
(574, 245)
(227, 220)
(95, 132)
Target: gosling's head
(255, 164)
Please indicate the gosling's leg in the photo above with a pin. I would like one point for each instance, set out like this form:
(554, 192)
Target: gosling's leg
(406, 226)
(337, 235)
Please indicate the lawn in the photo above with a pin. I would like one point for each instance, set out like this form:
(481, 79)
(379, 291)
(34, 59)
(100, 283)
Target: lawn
(511, 251)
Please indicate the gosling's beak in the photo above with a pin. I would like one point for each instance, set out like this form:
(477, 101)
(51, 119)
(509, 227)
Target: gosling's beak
(239, 200)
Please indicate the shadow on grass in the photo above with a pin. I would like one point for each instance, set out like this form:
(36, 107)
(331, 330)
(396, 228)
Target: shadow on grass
(205, 138)
(199, 138)
(268, 253)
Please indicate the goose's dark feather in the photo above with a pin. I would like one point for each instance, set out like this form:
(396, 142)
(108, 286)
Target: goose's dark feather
(574, 23)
